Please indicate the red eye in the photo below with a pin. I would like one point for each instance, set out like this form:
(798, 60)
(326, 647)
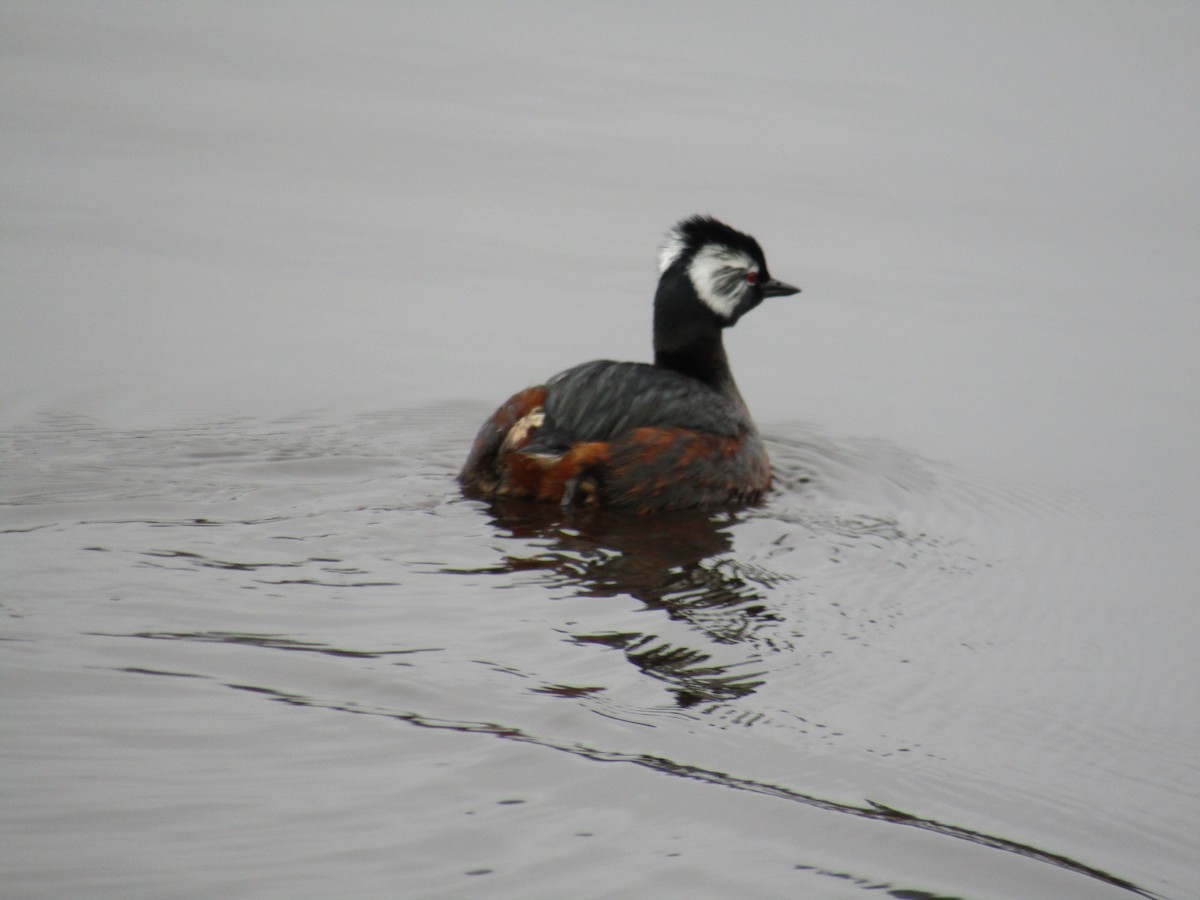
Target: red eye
(751, 278)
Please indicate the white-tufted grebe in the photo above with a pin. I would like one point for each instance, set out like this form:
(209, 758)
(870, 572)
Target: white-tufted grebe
(672, 435)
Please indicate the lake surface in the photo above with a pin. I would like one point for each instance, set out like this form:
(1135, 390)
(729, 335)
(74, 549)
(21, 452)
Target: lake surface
(266, 268)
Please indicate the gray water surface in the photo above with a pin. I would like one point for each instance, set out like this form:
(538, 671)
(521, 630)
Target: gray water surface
(267, 267)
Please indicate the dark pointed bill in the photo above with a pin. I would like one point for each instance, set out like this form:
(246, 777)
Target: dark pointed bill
(773, 288)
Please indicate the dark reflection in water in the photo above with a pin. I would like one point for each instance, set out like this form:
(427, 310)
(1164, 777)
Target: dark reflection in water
(674, 562)
(606, 553)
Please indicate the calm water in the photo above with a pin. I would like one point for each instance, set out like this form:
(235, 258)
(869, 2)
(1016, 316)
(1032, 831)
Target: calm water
(266, 269)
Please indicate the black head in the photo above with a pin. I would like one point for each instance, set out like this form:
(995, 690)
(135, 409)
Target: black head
(725, 269)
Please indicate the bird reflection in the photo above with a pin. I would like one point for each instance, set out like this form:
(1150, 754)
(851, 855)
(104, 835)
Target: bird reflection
(676, 562)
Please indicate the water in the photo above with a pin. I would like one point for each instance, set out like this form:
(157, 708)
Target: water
(266, 270)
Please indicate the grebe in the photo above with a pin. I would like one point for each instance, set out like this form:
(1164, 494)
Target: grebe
(640, 437)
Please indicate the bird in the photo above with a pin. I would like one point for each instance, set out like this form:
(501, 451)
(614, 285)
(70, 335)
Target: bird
(642, 437)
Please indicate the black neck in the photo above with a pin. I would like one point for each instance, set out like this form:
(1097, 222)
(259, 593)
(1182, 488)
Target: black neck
(701, 356)
(687, 336)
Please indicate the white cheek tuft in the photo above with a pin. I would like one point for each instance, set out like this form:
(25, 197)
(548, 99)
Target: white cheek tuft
(719, 276)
